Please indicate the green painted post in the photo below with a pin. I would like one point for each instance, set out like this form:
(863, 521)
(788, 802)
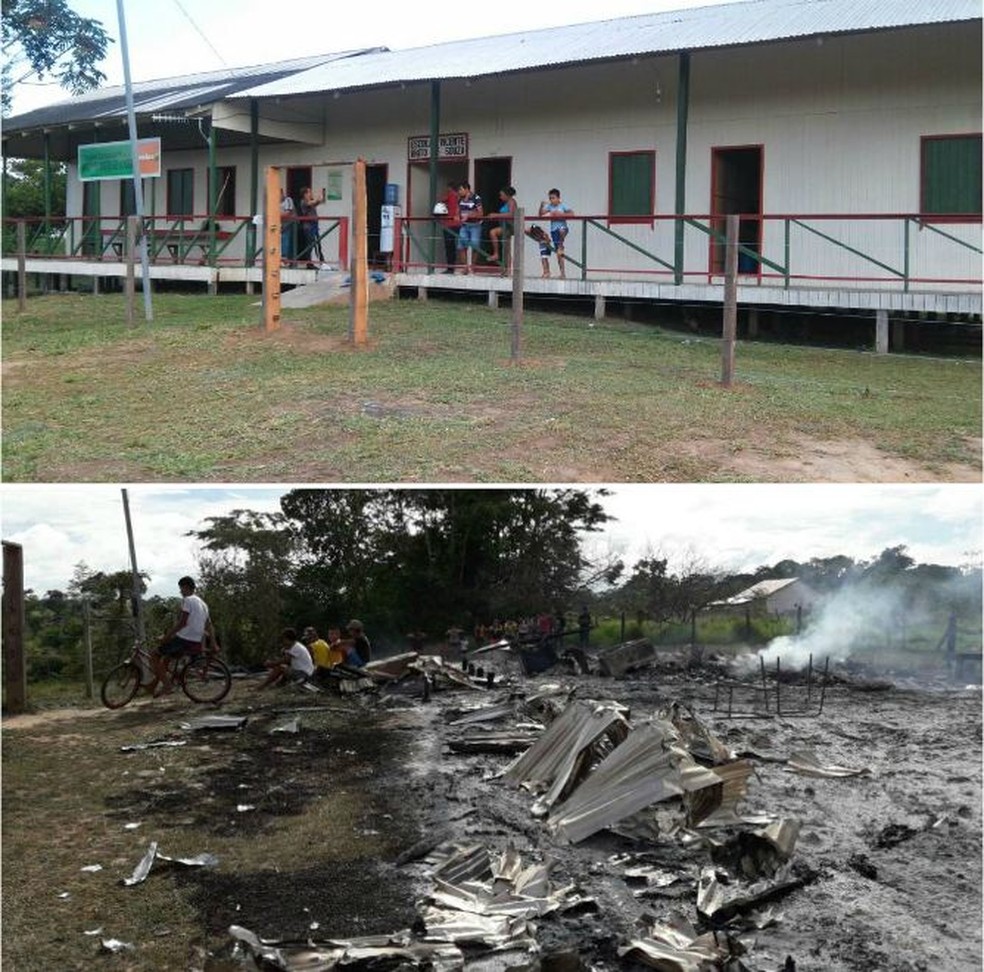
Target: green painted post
(680, 207)
(785, 258)
(435, 130)
(905, 256)
(212, 194)
(254, 179)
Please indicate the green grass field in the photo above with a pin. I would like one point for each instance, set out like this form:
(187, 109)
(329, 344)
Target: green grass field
(202, 394)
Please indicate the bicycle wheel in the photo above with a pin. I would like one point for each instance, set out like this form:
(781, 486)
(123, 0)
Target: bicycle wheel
(205, 678)
(120, 685)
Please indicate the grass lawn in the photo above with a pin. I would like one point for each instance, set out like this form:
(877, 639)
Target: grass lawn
(203, 394)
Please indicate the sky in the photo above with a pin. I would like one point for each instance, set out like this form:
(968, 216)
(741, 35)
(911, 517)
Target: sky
(730, 527)
(174, 37)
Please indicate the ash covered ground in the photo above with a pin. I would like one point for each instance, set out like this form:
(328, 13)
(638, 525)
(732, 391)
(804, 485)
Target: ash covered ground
(892, 860)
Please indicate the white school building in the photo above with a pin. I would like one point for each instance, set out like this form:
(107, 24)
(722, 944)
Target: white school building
(846, 134)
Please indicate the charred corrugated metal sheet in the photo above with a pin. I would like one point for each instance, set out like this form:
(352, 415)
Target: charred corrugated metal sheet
(562, 755)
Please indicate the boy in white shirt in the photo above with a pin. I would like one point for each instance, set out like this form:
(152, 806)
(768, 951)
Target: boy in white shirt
(187, 635)
(296, 663)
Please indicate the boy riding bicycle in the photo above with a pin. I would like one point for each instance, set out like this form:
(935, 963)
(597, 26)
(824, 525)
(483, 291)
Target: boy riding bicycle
(187, 636)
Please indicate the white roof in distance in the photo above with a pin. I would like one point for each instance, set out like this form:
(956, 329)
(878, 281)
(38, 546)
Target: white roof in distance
(733, 24)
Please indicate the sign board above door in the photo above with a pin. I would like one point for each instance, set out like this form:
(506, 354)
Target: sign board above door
(454, 146)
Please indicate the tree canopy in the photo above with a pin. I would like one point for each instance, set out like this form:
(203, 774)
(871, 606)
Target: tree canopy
(50, 40)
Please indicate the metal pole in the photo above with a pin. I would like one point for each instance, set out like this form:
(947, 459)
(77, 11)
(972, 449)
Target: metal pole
(765, 684)
(137, 602)
(131, 118)
(730, 323)
(516, 348)
(809, 680)
(778, 683)
(680, 207)
(87, 630)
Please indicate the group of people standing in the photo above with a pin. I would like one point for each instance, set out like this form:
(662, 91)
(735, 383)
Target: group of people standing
(310, 656)
(300, 238)
(462, 214)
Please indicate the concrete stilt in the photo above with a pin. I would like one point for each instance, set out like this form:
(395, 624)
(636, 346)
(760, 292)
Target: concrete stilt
(881, 332)
(421, 293)
(493, 299)
(599, 311)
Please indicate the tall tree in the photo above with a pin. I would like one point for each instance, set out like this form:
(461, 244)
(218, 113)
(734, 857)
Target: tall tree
(244, 569)
(50, 40)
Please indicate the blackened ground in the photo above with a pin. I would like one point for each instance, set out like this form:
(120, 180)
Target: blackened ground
(896, 856)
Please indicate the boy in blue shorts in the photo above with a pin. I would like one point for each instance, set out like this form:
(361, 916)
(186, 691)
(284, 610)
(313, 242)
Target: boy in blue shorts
(559, 229)
(470, 213)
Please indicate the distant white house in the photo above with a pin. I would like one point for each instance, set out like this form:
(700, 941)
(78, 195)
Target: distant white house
(774, 597)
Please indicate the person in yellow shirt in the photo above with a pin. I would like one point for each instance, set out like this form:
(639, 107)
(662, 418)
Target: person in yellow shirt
(320, 651)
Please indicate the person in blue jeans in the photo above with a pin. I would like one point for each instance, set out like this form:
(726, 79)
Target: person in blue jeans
(559, 229)
(470, 214)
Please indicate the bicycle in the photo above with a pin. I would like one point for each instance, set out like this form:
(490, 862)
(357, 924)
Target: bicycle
(203, 677)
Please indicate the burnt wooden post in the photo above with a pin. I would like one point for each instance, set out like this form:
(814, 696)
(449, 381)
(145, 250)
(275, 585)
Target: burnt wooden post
(14, 667)
(730, 323)
(21, 265)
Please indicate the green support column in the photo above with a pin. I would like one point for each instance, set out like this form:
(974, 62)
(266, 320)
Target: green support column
(680, 207)
(47, 184)
(435, 129)
(254, 177)
(213, 191)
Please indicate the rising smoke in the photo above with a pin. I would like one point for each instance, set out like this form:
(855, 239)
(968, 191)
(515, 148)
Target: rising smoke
(848, 623)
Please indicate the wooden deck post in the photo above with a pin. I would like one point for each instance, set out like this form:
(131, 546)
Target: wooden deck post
(730, 324)
(359, 306)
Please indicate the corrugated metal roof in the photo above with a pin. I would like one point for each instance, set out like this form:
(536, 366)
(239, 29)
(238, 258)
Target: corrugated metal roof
(750, 22)
(761, 589)
(168, 94)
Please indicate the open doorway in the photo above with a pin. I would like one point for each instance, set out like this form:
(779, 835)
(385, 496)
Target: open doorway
(491, 175)
(419, 206)
(736, 187)
(376, 176)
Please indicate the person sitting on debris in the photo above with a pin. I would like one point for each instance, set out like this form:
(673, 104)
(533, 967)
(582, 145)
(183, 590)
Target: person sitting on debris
(416, 639)
(356, 647)
(319, 648)
(296, 662)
